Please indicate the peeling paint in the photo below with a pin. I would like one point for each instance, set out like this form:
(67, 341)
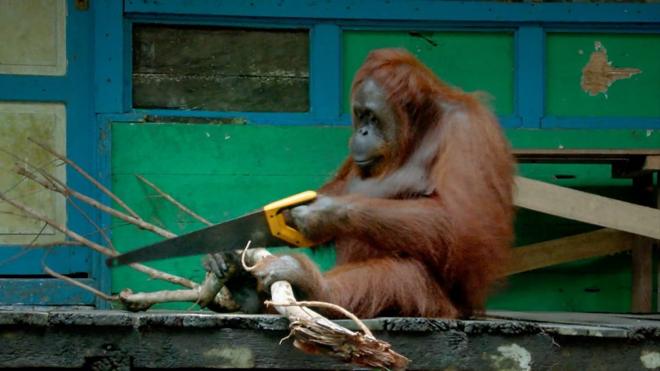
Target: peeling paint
(241, 357)
(512, 357)
(598, 74)
(650, 360)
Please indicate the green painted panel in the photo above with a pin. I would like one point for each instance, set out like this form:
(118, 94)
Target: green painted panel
(586, 139)
(222, 171)
(473, 61)
(593, 285)
(567, 55)
(227, 149)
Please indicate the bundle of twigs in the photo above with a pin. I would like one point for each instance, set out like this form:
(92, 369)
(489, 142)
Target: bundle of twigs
(311, 331)
(316, 334)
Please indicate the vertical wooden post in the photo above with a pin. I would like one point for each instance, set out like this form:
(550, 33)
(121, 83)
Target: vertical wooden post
(657, 242)
(642, 252)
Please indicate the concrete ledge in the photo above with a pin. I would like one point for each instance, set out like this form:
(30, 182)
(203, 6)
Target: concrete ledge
(34, 337)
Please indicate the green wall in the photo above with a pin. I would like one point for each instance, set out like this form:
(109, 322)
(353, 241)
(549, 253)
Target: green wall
(222, 171)
(475, 61)
(638, 96)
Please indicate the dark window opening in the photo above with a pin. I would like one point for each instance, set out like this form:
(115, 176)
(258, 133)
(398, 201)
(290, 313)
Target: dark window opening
(220, 69)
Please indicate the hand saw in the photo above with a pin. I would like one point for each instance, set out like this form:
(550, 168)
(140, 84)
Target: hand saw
(264, 227)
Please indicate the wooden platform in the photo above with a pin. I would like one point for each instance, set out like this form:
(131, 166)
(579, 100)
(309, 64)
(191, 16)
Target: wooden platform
(641, 223)
(502, 340)
(625, 162)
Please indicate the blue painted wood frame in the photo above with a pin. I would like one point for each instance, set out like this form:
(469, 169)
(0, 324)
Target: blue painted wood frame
(408, 10)
(530, 75)
(97, 88)
(325, 72)
(109, 83)
(74, 90)
(529, 22)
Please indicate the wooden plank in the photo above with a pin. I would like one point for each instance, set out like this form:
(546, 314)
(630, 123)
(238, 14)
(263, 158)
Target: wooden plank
(562, 250)
(94, 339)
(189, 50)
(221, 93)
(221, 68)
(642, 275)
(586, 152)
(588, 208)
(652, 163)
(611, 320)
(44, 291)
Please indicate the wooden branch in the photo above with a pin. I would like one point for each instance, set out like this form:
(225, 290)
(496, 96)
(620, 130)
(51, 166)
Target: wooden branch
(90, 178)
(316, 334)
(176, 203)
(67, 191)
(588, 208)
(562, 250)
(91, 221)
(211, 293)
(652, 163)
(322, 304)
(77, 283)
(153, 273)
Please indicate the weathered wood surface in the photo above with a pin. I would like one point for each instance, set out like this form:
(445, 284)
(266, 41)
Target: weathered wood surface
(626, 163)
(225, 69)
(116, 340)
(588, 208)
(642, 252)
(567, 249)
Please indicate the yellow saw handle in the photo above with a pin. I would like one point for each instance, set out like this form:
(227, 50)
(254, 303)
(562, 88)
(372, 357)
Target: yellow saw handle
(277, 223)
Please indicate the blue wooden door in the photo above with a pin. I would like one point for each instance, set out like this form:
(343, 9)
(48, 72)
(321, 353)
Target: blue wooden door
(49, 71)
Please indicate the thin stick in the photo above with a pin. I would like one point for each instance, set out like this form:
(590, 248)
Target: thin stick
(153, 273)
(315, 333)
(88, 177)
(322, 304)
(243, 263)
(92, 222)
(211, 291)
(17, 158)
(174, 201)
(70, 280)
(66, 191)
(163, 296)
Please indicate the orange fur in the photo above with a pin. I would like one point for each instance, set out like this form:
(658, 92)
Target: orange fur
(431, 249)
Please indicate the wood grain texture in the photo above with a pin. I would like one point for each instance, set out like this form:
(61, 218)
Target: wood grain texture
(164, 339)
(223, 69)
(567, 249)
(642, 252)
(588, 208)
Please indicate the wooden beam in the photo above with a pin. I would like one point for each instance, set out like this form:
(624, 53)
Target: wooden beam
(642, 275)
(566, 249)
(652, 163)
(586, 207)
(586, 153)
(642, 252)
